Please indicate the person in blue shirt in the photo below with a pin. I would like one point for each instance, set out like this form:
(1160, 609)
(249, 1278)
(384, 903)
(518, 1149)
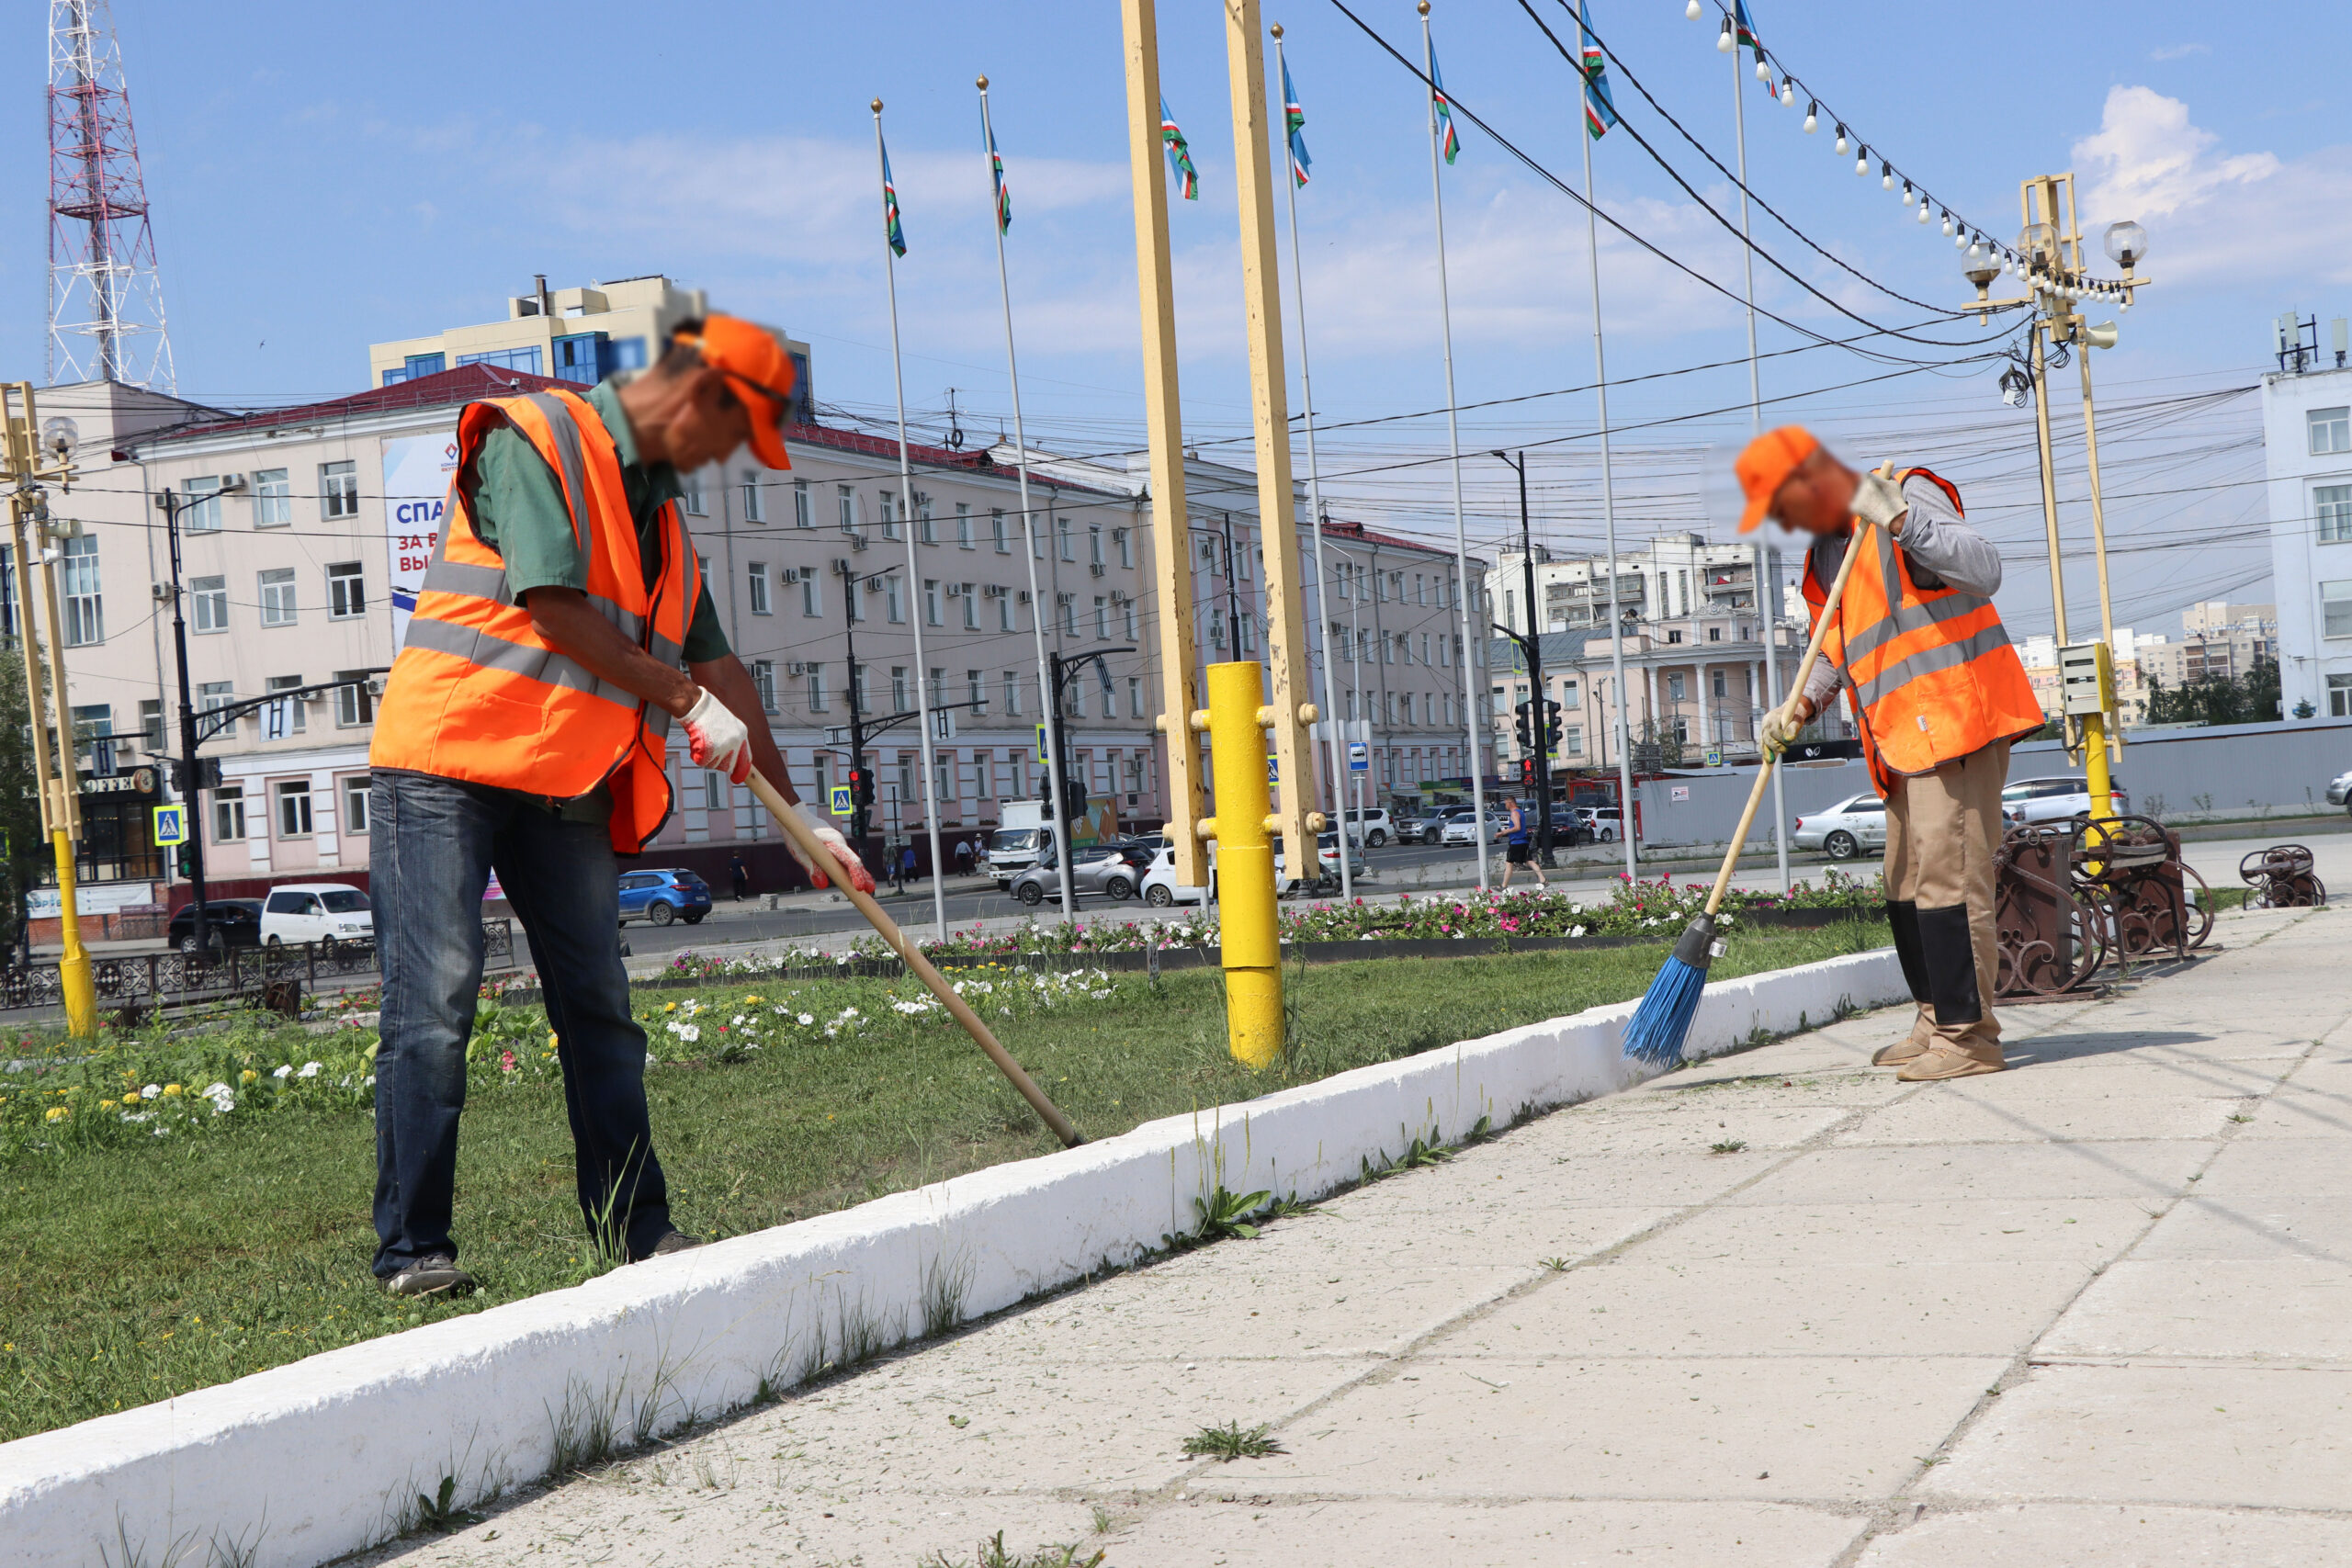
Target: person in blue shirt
(1519, 846)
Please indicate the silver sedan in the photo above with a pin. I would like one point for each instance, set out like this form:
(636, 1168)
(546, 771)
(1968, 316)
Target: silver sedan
(1092, 869)
(1846, 830)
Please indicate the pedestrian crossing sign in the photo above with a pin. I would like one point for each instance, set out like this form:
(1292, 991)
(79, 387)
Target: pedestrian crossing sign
(841, 800)
(171, 825)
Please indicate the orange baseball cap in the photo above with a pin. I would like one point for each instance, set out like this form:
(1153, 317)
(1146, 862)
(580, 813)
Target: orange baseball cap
(759, 370)
(1766, 464)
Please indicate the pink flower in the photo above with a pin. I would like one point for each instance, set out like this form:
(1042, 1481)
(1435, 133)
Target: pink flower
(506, 1061)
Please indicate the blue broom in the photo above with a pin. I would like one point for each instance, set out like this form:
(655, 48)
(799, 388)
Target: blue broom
(1658, 1027)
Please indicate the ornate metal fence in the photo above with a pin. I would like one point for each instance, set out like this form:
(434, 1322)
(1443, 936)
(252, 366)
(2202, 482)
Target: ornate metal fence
(165, 979)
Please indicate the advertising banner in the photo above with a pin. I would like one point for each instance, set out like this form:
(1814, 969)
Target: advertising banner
(417, 474)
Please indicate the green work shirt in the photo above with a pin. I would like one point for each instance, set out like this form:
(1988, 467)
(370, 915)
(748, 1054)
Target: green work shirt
(517, 508)
(516, 505)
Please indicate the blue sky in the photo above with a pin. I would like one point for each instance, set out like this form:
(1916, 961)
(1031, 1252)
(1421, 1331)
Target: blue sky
(318, 185)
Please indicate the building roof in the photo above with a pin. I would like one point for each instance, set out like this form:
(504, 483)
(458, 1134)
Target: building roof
(1333, 528)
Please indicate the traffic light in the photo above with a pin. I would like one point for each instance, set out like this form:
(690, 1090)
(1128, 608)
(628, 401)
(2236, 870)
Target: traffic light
(861, 787)
(1525, 732)
(1527, 772)
(207, 775)
(1551, 728)
(187, 863)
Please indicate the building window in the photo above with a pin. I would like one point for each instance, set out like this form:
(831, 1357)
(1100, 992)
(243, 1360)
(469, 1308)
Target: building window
(200, 509)
(714, 792)
(962, 524)
(1216, 627)
(931, 617)
(894, 599)
(227, 814)
(284, 716)
(858, 701)
(2331, 431)
(1129, 610)
(1127, 545)
(764, 682)
(691, 501)
(891, 513)
(1573, 738)
(293, 809)
(898, 703)
(2339, 696)
(355, 807)
(211, 694)
(975, 689)
(1714, 634)
(210, 595)
(1674, 688)
(338, 490)
(1012, 692)
(346, 591)
(273, 498)
(1068, 605)
(1135, 696)
(523, 359)
(352, 706)
(816, 688)
(804, 510)
(1720, 688)
(755, 507)
(1008, 618)
(925, 530)
(1068, 545)
(758, 582)
(86, 621)
(2333, 506)
(971, 609)
(2336, 608)
(1094, 544)
(278, 596)
(812, 591)
(997, 532)
(151, 723)
(1101, 618)
(847, 497)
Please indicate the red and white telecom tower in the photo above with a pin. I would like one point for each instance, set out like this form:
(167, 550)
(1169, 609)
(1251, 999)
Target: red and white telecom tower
(106, 302)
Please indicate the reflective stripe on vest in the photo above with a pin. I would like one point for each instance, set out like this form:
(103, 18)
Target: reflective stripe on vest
(1932, 674)
(477, 693)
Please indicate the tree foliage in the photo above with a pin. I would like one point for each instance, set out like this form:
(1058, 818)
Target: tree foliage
(2250, 698)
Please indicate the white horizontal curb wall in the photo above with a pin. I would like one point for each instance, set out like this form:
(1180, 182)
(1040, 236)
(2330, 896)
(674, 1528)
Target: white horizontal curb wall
(306, 1462)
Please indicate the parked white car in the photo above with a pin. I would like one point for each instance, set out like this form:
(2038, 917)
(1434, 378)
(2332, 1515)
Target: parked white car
(1603, 824)
(2339, 791)
(1463, 829)
(1854, 824)
(326, 912)
(2053, 800)
(1371, 828)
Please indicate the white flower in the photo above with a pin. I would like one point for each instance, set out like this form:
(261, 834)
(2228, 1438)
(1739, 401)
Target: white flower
(1578, 931)
(223, 1098)
(689, 1032)
(150, 1091)
(737, 1021)
(310, 1070)
(807, 1018)
(284, 1072)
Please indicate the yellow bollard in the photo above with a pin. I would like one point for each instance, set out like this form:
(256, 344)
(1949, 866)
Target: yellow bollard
(73, 965)
(1249, 934)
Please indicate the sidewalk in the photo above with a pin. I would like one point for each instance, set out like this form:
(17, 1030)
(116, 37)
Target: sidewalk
(1779, 1310)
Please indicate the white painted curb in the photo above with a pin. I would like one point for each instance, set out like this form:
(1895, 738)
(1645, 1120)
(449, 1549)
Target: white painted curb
(307, 1461)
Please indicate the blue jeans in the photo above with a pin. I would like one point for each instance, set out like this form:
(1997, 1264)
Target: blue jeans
(433, 844)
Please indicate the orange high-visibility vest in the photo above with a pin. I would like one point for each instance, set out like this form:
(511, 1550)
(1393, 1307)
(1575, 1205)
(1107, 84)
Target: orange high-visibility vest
(1930, 671)
(476, 694)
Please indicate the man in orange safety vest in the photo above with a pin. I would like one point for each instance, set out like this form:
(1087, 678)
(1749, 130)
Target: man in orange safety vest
(1938, 695)
(562, 626)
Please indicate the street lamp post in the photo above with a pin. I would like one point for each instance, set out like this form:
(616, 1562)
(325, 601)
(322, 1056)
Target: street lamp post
(1539, 716)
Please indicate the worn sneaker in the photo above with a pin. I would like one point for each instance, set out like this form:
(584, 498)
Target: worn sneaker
(671, 1243)
(1935, 1065)
(438, 1275)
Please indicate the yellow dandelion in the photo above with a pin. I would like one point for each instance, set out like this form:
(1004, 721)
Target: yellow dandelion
(130, 1097)
(106, 1105)
(669, 1006)
(57, 1113)
(248, 1075)
(171, 1090)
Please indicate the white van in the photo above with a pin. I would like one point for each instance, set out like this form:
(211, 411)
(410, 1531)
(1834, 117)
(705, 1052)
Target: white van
(326, 912)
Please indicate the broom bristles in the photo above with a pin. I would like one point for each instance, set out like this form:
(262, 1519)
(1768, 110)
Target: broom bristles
(1658, 1027)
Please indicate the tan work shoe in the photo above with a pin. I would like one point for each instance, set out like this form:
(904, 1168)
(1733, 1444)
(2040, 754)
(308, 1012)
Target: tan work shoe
(1936, 1065)
(1902, 1051)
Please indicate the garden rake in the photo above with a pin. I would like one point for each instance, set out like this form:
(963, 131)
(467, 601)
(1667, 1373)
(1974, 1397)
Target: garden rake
(1655, 1031)
(917, 964)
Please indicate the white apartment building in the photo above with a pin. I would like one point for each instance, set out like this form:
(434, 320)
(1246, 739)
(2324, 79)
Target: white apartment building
(1673, 578)
(1390, 616)
(307, 529)
(2307, 452)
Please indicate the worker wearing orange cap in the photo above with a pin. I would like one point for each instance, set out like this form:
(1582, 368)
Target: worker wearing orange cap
(561, 627)
(1939, 694)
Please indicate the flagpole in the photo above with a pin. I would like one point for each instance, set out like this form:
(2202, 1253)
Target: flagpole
(1315, 497)
(1768, 600)
(1048, 700)
(1469, 592)
(914, 583)
(1608, 505)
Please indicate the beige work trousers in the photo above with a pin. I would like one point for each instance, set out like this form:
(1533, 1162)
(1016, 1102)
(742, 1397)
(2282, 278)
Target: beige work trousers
(1943, 830)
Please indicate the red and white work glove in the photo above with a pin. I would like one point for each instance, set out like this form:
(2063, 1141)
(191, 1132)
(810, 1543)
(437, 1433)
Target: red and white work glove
(849, 868)
(716, 739)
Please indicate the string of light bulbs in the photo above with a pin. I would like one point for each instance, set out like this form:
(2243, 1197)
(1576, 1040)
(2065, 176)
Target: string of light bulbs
(2039, 271)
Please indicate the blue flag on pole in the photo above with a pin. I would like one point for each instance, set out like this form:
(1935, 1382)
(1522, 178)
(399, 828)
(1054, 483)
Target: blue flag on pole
(1599, 113)
(1003, 191)
(890, 229)
(1444, 108)
(1294, 123)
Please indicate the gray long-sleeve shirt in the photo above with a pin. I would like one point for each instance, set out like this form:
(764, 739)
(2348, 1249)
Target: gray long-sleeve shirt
(1940, 550)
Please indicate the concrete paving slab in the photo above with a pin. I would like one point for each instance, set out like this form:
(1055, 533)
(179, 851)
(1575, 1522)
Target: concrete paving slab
(2088, 1231)
(2114, 1536)
(1705, 1306)
(1959, 1117)
(2252, 1168)
(1366, 1238)
(2153, 1171)
(1555, 1170)
(1825, 1429)
(1698, 1127)
(2302, 1110)
(1348, 1533)
(2254, 1228)
(2225, 1436)
(1761, 1081)
(2290, 1309)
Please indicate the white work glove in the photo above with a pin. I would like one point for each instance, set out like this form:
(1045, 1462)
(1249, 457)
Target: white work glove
(849, 869)
(1878, 499)
(716, 739)
(1782, 724)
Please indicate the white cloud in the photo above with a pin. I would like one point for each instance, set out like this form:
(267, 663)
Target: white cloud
(2180, 50)
(2214, 215)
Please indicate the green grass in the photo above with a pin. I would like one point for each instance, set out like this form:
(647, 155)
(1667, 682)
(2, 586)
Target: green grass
(135, 1267)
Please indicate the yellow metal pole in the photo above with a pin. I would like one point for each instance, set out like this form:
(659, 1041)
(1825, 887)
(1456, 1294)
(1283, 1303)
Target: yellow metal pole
(57, 814)
(1171, 561)
(1291, 713)
(1250, 935)
(74, 982)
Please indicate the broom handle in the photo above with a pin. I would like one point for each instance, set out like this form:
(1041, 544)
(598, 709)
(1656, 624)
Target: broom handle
(1764, 774)
(816, 855)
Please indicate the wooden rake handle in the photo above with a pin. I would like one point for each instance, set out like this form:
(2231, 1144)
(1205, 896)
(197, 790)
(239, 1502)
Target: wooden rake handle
(818, 854)
(1764, 774)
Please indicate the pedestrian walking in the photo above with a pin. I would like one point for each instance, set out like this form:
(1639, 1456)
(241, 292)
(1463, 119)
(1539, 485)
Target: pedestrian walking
(963, 857)
(907, 872)
(898, 868)
(1939, 694)
(739, 873)
(525, 726)
(1518, 849)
